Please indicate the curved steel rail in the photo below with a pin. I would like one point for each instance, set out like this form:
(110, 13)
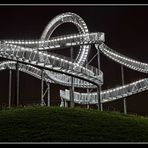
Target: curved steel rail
(122, 59)
(118, 92)
(32, 56)
(51, 62)
(107, 95)
(84, 98)
(69, 17)
(49, 76)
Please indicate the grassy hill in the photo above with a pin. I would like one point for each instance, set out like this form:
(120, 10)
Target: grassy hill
(43, 124)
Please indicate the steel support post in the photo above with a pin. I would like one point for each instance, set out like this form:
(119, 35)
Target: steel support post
(10, 80)
(48, 94)
(72, 85)
(99, 67)
(88, 94)
(88, 106)
(124, 99)
(98, 97)
(17, 83)
(42, 88)
(66, 104)
(72, 94)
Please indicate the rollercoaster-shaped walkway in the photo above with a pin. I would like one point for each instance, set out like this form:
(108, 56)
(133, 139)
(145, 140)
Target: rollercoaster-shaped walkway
(35, 57)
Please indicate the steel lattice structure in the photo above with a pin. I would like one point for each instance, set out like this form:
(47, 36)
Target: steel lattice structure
(34, 57)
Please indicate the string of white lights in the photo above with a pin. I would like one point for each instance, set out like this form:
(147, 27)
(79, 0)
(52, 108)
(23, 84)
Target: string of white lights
(118, 92)
(124, 60)
(73, 18)
(55, 62)
(61, 41)
(59, 69)
(82, 98)
(107, 95)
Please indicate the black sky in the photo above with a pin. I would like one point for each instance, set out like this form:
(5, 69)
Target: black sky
(125, 28)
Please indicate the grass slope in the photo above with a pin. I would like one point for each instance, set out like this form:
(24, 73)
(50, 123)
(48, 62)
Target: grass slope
(43, 124)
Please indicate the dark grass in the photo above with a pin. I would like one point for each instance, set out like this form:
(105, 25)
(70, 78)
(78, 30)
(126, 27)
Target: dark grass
(54, 124)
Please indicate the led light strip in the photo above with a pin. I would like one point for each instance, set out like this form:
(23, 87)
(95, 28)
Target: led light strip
(84, 38)
(50, 76)
(27, 51)
(12, 52)
(33, 71)
(69, 18)
(107, 95)
(59, 42)
(84, 98)
(126, 61)
(114, 93)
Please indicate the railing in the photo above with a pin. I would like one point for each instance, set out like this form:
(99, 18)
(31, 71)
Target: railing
(60, 41)
(124, 60)
(52, 61)
(107, 95)
(50, 76)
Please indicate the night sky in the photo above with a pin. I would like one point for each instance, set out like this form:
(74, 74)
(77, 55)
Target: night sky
(126, 31)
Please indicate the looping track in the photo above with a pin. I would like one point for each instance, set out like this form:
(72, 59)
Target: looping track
(32, 56)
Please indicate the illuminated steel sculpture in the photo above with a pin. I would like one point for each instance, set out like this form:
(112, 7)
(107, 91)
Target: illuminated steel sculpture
(34, 57)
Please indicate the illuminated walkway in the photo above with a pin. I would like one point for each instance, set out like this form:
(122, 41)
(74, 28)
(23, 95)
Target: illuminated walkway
(35, 58)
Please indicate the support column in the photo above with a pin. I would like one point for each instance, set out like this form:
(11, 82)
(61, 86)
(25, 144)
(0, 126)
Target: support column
(72, 85)
(88, 106)
(99, 67)
(124, 99)
(98, 97)
(10, 80)
(66, 104)
(88, 94)
(17, 84)
(42, 88)
(72, 94)
(48, 94)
